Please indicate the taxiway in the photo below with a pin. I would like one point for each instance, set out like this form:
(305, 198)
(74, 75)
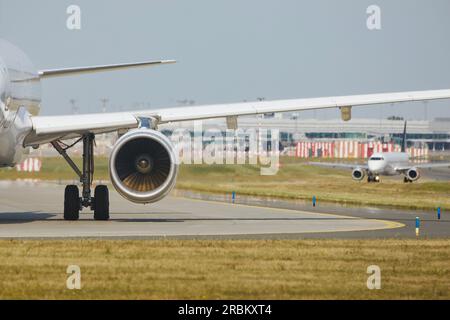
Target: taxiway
(34, 210)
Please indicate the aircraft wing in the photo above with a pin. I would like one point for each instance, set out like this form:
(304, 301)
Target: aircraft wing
(50, 128)
(349, 166)
(425, 166)
(261, 107)
(43, 74)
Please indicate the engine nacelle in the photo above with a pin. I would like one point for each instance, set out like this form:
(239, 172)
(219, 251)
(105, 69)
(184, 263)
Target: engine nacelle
(358, 174)
(143, 166)
(413, 174)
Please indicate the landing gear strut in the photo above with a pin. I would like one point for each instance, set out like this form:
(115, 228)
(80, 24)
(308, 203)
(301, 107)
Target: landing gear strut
(373, 178)
(73, 203)
(407, 180)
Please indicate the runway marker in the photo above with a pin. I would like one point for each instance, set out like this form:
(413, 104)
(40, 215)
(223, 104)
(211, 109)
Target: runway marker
(439, 213)
(417, 226)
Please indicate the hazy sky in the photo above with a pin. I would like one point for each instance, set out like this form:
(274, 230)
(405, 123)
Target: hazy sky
(234, 50)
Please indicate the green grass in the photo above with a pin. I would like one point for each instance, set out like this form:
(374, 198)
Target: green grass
(56, 169)
(240, 269)
(295, 180)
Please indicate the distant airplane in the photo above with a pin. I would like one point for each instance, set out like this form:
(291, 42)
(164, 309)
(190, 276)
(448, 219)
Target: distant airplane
(143, 164)
(386, 164)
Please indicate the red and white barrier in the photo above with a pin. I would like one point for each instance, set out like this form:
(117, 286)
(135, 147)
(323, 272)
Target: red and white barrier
(343, 149)
(30, 165)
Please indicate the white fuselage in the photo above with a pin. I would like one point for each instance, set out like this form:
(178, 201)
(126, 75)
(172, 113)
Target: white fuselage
(19, 100)
(385, 163)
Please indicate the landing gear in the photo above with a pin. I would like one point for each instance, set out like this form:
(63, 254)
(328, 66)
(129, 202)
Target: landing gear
(73, 203)
(406, 180)
(373, 178)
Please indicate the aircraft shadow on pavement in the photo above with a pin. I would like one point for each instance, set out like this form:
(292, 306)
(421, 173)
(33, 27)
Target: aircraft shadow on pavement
(32, 216)
(23, 217)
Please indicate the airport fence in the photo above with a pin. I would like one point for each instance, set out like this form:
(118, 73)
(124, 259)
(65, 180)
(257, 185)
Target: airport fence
(29, 165)
(345, 149)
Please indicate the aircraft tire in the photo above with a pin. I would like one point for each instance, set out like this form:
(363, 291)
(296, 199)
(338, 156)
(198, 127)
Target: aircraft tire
(71, 203)
(101, 203)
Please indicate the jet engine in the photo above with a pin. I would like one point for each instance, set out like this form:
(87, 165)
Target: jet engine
(413, 174)
(358, 174)
(143, 166)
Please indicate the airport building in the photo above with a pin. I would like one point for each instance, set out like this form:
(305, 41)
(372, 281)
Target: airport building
(435, 133)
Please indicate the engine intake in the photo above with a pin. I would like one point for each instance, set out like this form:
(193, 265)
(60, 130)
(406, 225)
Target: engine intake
(358, 174)
(143, 166)
(413, 174)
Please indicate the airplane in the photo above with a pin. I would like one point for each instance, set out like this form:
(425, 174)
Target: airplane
(143, 165)
(386, 164)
